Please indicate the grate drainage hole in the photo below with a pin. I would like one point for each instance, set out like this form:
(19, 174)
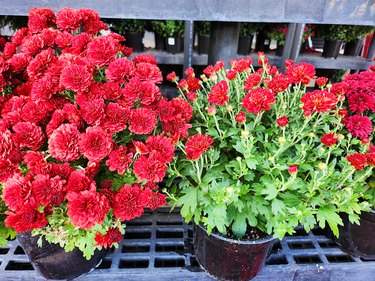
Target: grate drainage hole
(133, 263)
(135, 248)
(339, 258)
(139, 222)
(137, 234)
(19, 251)
(276, 259)
(105, 264)
(276, 247)
(307, 259)
(15, 265)
(166, 222)
(164, 247)
(301, 245)
(194, 262)
(4, 251)
(170, 262)
(169, 233)
(329, 244)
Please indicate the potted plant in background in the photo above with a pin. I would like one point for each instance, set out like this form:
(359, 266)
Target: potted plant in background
(354, 39)
(132, 29)
(175, 36)
(262, 42)
(202, 30)
(278, 33)
(83, 139)
(359, 90)
(333, 36)
(247, 31)
(158, 27)
(262, 157)
(308, 32)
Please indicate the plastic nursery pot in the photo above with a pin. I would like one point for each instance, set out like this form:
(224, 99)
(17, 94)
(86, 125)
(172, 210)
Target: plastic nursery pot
(279, 50)
(331, 48)
(52, 262)
(353, 48)
(134, 40)
(229, 259)
(357, 240)
(203, 44)
(244, 45)
(159, 42)
(262, 43)
(303, 48)
(174, 44)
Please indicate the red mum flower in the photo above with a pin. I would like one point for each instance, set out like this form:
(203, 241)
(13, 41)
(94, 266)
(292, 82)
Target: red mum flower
(172, 77)
(19, 62)
(196, 145)
(28, 135)
(31, 45)
(242, 64)
(11, 111)
(93, 111)
(87, 208)
(319, 101)
(321, 81)
(40, 18)
(359, 102)
(145, 58)
(193, 84)
(95, 144)
(282, 121)
(17, 194)
(120, 70)
(63, 143)
(112, 236)
(149, 93)
(252, 81)
(183, 85)
(339, 88)
(151, 168)
(359, 126)
(35, 112)
(241, 117)
(76, 78)
(61, 170)
(182, 109)
(148, 72)
(231, 74)
(257, 100)
(357, 160)
(176, 129)
(35, 162)
(190, 72)
(48, 190)
(279, 83)
(78, 181)
(68, 19)
(130, 202)
(43, 89)
(116, 118)
(40, 63)
(27, 220)
(301, 72)
(162, 147)
(218, 94)
(156, 200)
(102, 50)
(8, 169)
(143, 121)
(371, 156)
(119, 160)
(329, 139)
(7, 144)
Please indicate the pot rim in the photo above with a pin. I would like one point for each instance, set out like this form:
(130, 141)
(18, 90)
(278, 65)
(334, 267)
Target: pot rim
(262, 240)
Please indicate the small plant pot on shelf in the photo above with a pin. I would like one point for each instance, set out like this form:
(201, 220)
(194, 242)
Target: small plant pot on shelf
(279, 50)
(353, 48)
(52, 262)
(331, 48)
(159, 42)
(262, 43)
(230, 259)
(356, 239)
(303, 48)
(174, 44)
(244, 45)
(203, 44)
(135, 40)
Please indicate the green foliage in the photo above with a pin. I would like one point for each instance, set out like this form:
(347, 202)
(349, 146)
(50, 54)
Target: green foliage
(278, 32)
(346, 33)
(354, 32)
(121, 26)
(202, 27)
(249, 28)
(168, 28)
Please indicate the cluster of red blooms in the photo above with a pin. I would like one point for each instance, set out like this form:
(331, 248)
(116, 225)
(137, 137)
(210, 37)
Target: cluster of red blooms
(68, 94)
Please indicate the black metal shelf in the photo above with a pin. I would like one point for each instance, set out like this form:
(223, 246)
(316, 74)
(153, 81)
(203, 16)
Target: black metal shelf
(342, 62)
(158, 246)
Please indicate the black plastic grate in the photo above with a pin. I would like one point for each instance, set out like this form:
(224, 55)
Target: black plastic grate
(159, 246)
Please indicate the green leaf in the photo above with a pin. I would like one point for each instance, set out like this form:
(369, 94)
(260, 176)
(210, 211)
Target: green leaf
(251, 163)
(239, 146)
(271, 192)
(277, 206)
(328, 214)
(252, 219)
(239, 225)
(189, 203)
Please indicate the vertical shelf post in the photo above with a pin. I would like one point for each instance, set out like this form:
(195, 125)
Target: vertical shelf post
(188, 43)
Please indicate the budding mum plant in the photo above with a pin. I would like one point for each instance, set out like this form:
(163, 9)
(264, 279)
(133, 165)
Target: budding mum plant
(85, 133)
(263, 153)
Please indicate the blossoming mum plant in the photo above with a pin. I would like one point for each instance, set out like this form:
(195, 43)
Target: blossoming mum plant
(85, 133)
(263, 153)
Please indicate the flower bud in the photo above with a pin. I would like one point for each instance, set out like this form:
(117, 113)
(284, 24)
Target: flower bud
(322, 166)
(241, 117)
(365, 141)
(293, 169)
(172, 77)
(183, 85)
(282, 140)
(245, 133)
(204, 77)
(343, 112)
(238, 159)
(211, 110)
(282, 121)
(229, 189)
(213, 77)
(229, 107)
(311, 135)
(192, 96)
(340, 137)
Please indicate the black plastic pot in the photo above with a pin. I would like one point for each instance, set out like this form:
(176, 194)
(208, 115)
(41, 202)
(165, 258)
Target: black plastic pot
(303, 48)
(52, 262)
(203, 44)
(229, 259)
(353, 48)
(262, 43)
(279, 50)
(357, 240)
(159, 42)
(134, 40)
(331, 48)
(174, 44)
(244, 45)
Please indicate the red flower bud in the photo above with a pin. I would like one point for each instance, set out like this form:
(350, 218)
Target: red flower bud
(282, 121)
(192, 96)
(241, 117)
(190, 72)
(321, 81)
(293, 169)
(172, 77)
(343, 112)
(231, 75)
(183, 85)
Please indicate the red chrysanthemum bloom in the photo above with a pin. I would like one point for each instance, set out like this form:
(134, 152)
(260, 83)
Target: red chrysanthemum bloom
(102, 50)
(321, 81)
(242, 64)
(43, 89)
(35, 162)
(48, 190)
(218, 94)
(359, 126)
(302, 72)
(282, 121)
(19, 62)
(119, 160)
(143, 121)
(279, 83)
(145, 58)
(191, 96)
(8, 169)
(120, 70)
(148, 72)
(360, 102)
(40, 63)
(76, 78)
(68, 19)
(357, 160)
(40, 18)
(116, 118)
(165, 110)
(193, 84)
(252, 81)
(241, 117)
(190, 72)
(162, 146)
(78, 181)
(339, 88)
(319, 101)
(149, 92)
(182, 109)
(196, 145)
(26, 220)
(7, 144)
(150, 168)
(371, 156)
(329, 139)
(28, 135)
(156, 200)
(112, 236)
(63, 143)
(93, 111)
(172, 77)
(231, 75)
(31, 45)
(35, 112)
(17, 194)
(87, 208)
(95, 144)
(130, 202)
(257, 100)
